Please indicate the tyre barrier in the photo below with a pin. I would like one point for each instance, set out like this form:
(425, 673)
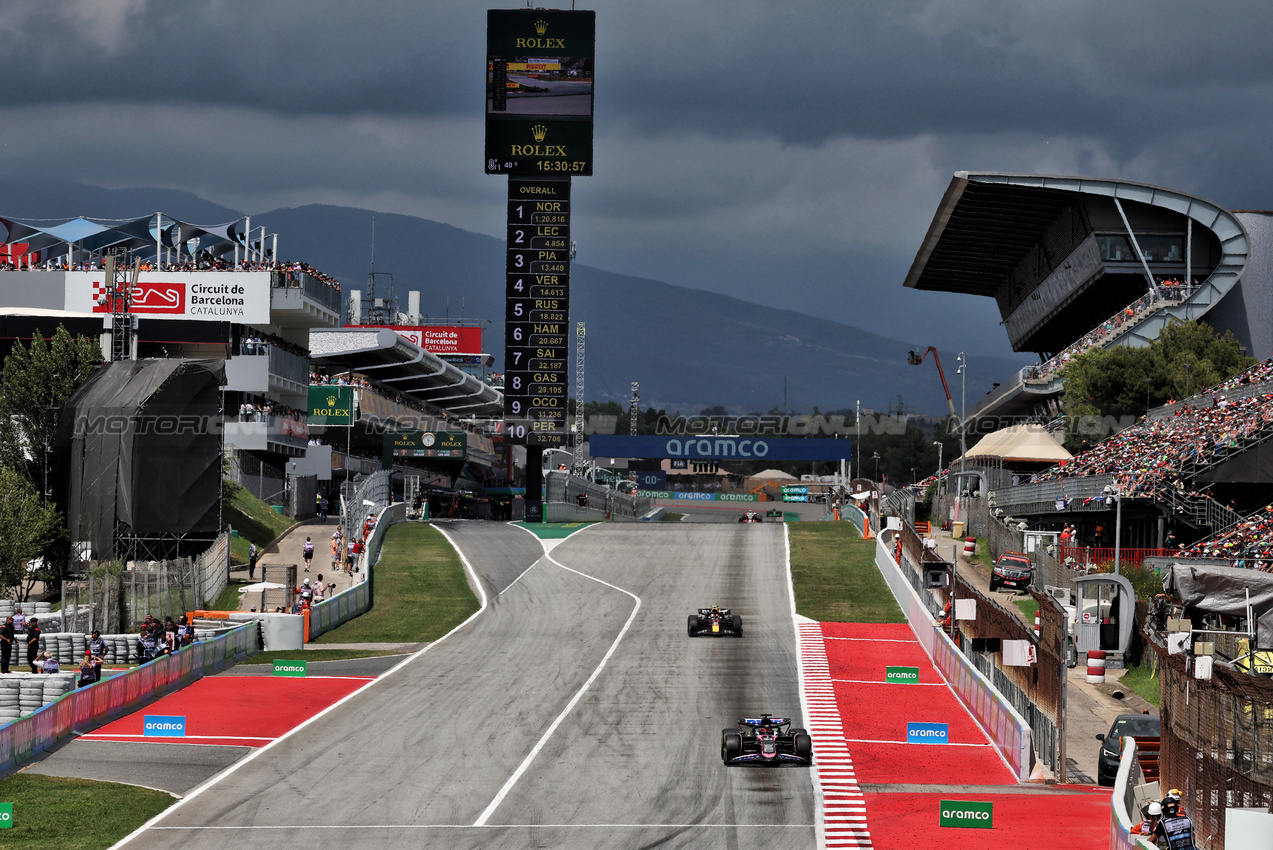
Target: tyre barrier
(69, 647)
(23, 693)
(1095, 666)
(970, 547)
(82, 709)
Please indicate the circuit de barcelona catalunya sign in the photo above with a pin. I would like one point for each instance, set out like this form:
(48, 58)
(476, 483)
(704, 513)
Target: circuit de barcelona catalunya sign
(719, 448)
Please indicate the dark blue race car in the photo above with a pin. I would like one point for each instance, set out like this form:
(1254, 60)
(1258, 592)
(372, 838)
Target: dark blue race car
(766, 740)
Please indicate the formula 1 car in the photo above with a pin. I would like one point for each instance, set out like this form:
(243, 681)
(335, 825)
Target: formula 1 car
(765, 740)
(716, 622)
(751, 516)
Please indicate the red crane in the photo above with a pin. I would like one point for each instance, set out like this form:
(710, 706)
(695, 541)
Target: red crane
(916, 359)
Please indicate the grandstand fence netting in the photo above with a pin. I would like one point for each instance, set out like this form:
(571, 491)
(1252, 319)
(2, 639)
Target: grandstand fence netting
(117, 597)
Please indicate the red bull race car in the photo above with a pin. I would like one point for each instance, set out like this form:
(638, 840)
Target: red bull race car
(716, 622)
(765, 740)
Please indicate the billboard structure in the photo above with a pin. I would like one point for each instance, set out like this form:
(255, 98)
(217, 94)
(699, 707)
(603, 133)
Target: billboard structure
(539, 92)
(242, 297)
(539, 97)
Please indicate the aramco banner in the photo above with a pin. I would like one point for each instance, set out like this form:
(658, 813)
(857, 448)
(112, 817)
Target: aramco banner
(719, 448)
(330, 405)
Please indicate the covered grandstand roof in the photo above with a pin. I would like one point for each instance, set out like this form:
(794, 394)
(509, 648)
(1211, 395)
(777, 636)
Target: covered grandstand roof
(389, 359)
(53, 238)
(987, 222)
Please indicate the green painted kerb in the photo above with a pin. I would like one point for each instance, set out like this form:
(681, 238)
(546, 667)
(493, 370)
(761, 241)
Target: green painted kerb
(553, 530)
(966, 814)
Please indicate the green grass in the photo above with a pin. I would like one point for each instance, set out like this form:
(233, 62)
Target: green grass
(420, 592)
(50, 813)
(316, 655)
(835, 577)
(1028, 606)
(229, 598)
(671, 516)
(255, 521)
(1142, 681)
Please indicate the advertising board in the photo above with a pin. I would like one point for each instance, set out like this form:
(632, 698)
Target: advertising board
(539, 91)
(720, 448)
(331, 405)
(438, 339)
(209, 296)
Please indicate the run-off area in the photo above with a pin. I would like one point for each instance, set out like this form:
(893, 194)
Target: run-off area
(893, 776)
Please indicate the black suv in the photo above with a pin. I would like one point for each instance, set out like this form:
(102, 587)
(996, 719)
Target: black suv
(1137, 726)
(1013, 569)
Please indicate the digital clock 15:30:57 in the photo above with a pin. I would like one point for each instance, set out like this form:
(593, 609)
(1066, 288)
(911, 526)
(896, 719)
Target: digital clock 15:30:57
(577, 165)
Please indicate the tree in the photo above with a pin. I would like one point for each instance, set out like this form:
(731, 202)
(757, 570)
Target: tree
(28, 528)
(1125, 382)
(37, 381)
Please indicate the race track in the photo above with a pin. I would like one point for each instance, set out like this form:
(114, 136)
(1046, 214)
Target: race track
(572, 711)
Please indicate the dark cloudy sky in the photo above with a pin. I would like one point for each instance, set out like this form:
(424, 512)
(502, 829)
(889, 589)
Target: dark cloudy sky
(787, 153)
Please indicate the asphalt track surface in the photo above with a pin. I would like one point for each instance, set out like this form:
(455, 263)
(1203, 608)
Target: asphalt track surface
(573, 711)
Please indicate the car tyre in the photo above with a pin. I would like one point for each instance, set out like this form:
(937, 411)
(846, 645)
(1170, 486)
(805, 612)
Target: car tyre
(692, 626)
(993, 586)
(731, 745)
(738, 626)
(802, 744)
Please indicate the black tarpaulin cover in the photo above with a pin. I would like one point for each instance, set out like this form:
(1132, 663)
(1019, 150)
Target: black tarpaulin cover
(143, 444)
(1223, 590)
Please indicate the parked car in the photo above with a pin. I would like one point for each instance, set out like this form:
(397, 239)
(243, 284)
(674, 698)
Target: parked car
(1137, 726)
(1012, 569)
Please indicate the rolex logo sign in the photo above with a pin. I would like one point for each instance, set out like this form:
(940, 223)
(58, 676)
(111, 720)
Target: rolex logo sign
(541, 27)
(331, 405)
(539, 131)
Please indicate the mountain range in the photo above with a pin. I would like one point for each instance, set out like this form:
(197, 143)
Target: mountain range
(689, 349)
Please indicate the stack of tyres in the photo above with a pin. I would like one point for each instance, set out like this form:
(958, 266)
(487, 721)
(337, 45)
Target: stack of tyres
(78, 644)
(55, 686)
(9, 700)
(30, 694)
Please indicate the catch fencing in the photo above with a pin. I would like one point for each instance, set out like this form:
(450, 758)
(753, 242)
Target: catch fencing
(1007, 729)
(598, 502)
(87, 708)
(352, 601)
(1036, 691)
(1217, 739)
(113, 599)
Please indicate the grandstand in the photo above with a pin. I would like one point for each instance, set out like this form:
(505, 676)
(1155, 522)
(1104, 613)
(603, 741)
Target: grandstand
(1075, 263)
(222, 292)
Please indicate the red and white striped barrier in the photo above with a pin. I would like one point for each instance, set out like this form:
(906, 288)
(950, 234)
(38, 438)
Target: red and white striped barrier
(1095, 666)
(1036, 623)
(970, 547)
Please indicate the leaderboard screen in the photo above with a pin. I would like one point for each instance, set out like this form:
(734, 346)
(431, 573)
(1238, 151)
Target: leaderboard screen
(539, 91)
(537, 311)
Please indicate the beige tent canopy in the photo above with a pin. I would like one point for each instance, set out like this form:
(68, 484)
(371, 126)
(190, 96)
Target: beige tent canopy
(1020, 444)
(773, 475)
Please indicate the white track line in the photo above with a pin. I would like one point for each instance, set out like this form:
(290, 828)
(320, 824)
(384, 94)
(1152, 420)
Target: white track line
(530, 757)
(477, 583)
(495, 826)
(840, 809)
